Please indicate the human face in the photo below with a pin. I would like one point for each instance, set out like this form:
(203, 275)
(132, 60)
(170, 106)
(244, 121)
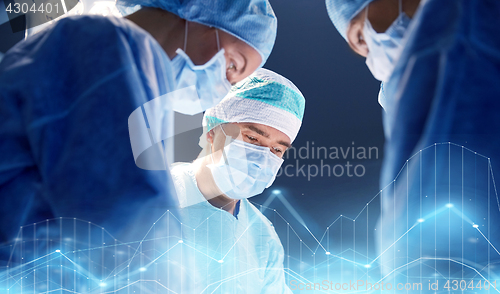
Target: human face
(253, 133)
(381, 13)
(241, 59)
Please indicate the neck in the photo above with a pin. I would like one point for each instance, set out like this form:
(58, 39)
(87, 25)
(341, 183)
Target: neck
(167, 28)
(410, 7)
(209, 189)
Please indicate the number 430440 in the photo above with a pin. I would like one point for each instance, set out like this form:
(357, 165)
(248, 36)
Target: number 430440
(464, 285)
(25, 8)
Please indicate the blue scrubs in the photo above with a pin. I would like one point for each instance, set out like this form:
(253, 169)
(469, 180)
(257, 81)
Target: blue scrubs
(65, 98)
(445, 88)
(226, 253)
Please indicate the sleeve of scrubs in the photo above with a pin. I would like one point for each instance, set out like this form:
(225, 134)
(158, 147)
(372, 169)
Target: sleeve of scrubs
(65, 98)
(275, 276)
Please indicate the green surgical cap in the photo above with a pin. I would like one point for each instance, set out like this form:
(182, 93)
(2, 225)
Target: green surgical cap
(264, 97)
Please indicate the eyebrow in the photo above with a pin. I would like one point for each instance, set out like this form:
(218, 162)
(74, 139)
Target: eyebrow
(264, 134)
(284, 144)
(258, 131)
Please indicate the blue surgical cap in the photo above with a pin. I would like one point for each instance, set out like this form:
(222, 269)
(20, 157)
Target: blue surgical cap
(264, 97)
(341, 12)
(252, 21)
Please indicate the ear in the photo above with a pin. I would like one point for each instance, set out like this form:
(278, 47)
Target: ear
(210, 136)
(355, 36)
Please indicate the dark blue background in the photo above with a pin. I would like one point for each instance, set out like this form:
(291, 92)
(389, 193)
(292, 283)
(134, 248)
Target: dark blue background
(341, 108)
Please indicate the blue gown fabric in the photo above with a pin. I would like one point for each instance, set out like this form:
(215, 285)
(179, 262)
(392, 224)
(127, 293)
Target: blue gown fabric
(445, 90)
(247, 244)
(65, 98)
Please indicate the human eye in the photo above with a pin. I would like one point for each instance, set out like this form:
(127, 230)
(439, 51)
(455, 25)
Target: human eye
(232, 66)
(277, 150)
(251, 138)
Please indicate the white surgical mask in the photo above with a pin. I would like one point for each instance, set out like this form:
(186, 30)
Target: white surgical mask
(244, 169)
(385, 48)
(381, 96)
(198, 87)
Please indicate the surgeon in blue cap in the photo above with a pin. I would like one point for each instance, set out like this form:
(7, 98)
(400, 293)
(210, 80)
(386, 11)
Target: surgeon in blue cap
(67, 92)
(374, 29)
(439, 63)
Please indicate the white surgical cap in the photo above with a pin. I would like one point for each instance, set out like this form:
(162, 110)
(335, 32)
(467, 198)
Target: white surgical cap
(341, 12)
(252, 21)
(264, 97)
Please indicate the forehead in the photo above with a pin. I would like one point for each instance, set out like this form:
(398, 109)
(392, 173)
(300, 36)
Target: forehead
(233, 43)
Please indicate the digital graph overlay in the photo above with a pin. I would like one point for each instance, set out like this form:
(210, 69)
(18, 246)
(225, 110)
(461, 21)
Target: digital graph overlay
(439, 224)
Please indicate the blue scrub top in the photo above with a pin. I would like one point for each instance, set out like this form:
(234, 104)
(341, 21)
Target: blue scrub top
(65, 98)
(445, 88)
(224, 253)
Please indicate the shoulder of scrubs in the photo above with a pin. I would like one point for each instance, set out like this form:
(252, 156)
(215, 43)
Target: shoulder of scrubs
(274, 281)
(258, 218)
(65, 97)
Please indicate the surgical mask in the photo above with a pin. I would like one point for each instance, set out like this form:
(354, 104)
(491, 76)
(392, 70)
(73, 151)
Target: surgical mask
(381, 96)
(385, 48)
(198, 87)
(244, 169)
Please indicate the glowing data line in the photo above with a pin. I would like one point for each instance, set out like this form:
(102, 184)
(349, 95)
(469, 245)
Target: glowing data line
(487, 240)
